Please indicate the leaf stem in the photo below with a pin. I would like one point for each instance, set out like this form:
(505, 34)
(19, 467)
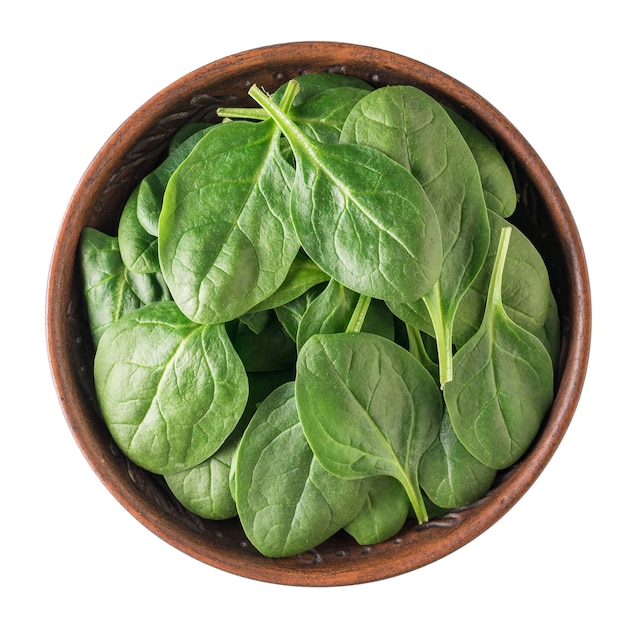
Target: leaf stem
(494, 296)
(257, 113)
(358, 316)
(417, 501)
(443, 333)
(242, 113)
(417, 349)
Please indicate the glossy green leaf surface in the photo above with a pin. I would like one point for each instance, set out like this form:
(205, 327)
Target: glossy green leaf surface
(449, 475)
(383, 514)
(495, 176)
(152, 187)
(362, 217)
(368, 408)
(226, 241)
(204, 489)
(332, 310)
(302, 275)
(110, 289)
(170, 390)
(503, 384)
(286, 501)
(315, 83)
(526, 292)
(414, 129)
(139, 249)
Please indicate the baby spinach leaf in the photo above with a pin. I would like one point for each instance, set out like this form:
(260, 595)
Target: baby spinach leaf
(185, 132)
(417, 348)
(226, 241)
(290, 314)
(526, 292)
(368, 408)
(323, 115)
(449, 475)
(286, 501)
(363, 218)
(332, 310)
(414, 129)
(139, 249)
(302, 275)
(383, 514)
(152, 187)
(204, 489)
(170, 390)
(503, 382)
(110, 289)
(550, 333)
(310, 85)
(495, 176)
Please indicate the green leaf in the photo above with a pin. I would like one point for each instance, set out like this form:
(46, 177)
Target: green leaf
(495, 175)
(170, 390)
(139, 249)
(449, 475)
(110, 289)
(363, 218)
(383, 514)
(526, 293)
(414, 129)
(286, 501)
(310, 85)
(152, 187)
(302, 275)
(226, 241)
(204, 489)
(368, 408)
(503, 384)
(323, 115)
(332, 310)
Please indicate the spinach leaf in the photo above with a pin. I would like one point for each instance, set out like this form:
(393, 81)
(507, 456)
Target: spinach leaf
(185, 132)
(495, 176)
(526, 292)
(170, 390)
(138, 248)
(503, 383)
(152, 187)
(383, 514)
(449, 475)
(302, 275)
(287, 502)
(414, 129)
(226, 241)
(110, 289)
(204, 489)
(290, 314)
(332, 310)
(550, 333)
(310, 85)
(363, 218)
(368, 408)
(323, 115)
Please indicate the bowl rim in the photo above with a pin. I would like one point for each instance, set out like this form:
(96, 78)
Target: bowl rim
(393, 558)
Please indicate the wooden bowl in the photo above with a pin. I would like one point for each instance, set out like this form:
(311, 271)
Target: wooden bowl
(137, 147)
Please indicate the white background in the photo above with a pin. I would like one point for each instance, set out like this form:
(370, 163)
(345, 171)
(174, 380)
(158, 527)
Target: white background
(71, 74)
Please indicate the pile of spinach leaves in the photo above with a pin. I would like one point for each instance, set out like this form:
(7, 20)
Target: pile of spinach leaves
(315, 315)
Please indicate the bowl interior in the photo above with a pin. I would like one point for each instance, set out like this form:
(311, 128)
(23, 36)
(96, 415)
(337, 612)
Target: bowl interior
(137, 147)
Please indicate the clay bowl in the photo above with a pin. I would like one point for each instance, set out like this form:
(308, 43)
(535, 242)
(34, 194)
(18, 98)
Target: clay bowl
(136, 148)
